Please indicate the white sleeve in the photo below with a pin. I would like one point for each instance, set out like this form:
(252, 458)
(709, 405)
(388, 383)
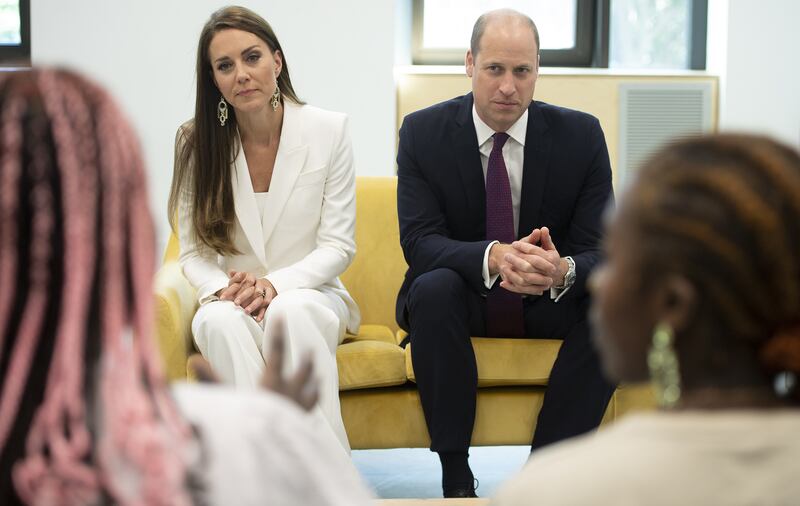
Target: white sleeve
(488, 279)
(198, 262)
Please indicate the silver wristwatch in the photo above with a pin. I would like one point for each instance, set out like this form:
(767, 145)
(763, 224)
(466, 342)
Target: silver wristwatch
(569, 277)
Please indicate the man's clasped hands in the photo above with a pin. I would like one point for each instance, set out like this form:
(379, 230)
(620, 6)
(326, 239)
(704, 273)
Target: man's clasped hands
(530, 265)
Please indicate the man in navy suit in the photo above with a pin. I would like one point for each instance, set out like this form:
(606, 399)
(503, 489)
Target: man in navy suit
(500, 202)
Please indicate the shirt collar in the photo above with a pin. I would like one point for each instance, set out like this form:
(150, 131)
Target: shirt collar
(516, 132)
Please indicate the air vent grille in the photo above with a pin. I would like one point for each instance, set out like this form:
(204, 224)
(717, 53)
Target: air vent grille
(654, 114)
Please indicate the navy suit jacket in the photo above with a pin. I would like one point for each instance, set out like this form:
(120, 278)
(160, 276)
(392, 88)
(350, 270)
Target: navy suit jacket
(441, 197)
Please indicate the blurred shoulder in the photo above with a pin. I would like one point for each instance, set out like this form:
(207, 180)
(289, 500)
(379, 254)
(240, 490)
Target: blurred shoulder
(605, 463)
(207, 403)
(257, 444)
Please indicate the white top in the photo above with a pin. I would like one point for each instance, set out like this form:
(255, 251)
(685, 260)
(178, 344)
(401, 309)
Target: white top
(259, 448)
(686, 458)
(262, 200)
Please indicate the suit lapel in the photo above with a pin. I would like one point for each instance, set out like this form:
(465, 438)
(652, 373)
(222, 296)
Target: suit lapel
(535, 168)
(244, 200)
(288, 163)
(468, 159)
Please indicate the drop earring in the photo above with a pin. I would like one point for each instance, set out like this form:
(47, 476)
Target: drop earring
(222, 111)
(275, 100)
(662, 361)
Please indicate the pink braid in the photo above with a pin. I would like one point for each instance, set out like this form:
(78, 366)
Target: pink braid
(33, 313)
(10, 156)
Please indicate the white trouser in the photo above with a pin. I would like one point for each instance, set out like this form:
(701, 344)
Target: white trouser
(313, 322)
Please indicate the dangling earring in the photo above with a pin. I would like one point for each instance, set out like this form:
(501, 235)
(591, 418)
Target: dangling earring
(222, 111)
(275, 100)
(663, 364)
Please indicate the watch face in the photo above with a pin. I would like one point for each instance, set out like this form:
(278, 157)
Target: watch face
(570, 277)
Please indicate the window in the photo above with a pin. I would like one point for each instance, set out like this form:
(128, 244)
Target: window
(643, 34)
(658, 34)
(442, 28)
(15, 46)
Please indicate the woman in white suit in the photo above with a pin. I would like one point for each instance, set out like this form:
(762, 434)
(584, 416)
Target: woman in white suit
(264, 194)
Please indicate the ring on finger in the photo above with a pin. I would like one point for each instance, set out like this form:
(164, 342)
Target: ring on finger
(262, 293)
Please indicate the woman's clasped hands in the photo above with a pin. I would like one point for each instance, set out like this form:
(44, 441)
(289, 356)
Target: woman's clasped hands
(248, 292)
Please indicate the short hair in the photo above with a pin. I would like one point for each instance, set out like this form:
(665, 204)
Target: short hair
(483, 20)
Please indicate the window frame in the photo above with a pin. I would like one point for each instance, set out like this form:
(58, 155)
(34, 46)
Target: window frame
(20, 54)
(699, 35)
(592, 31)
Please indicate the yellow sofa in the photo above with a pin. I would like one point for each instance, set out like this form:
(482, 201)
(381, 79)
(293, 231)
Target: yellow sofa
(380, 403)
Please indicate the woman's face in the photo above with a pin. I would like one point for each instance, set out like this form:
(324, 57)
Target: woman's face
(621, 315)
(244, 69)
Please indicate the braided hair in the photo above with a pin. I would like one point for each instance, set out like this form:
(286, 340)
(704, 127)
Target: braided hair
(724, 211)
(82, 401)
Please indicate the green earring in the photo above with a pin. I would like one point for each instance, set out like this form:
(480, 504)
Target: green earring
(663, 364)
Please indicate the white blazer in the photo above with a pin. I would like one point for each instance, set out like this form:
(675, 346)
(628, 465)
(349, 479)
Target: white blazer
(306, 237)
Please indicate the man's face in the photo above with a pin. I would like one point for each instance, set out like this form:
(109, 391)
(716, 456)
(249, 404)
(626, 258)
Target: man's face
(504, 72)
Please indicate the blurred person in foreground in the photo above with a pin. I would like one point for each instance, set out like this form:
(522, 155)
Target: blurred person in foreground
(85, 417)
(700, 294)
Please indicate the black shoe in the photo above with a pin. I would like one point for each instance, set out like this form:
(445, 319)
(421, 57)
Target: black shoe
(462, 492)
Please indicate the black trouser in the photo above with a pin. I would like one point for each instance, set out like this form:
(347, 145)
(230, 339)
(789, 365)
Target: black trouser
(442, 314)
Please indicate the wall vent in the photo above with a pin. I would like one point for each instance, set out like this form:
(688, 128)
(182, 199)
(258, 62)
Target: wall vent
(654, 114)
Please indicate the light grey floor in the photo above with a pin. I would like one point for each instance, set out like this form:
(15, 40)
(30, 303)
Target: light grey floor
(415, 472)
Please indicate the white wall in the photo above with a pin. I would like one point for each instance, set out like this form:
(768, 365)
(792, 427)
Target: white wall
(758, 66)
(340, 54)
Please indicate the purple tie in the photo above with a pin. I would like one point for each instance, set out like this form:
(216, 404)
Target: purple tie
(504, 308)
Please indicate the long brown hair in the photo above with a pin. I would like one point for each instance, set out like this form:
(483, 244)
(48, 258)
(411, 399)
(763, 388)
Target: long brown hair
(204, 150)
(724, 211)
(76, 260)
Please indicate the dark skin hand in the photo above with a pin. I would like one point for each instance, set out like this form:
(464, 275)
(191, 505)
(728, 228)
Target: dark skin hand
(301, 387)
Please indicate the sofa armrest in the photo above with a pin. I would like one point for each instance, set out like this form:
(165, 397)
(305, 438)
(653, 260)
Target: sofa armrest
(176, 303)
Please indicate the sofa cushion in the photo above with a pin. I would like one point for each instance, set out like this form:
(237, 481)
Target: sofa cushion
(371, 333)
(508, 362)
(365, 364)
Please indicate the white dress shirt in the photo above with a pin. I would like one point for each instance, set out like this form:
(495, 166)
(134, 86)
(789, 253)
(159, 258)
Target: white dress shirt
(514, 157)
(262, 201)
